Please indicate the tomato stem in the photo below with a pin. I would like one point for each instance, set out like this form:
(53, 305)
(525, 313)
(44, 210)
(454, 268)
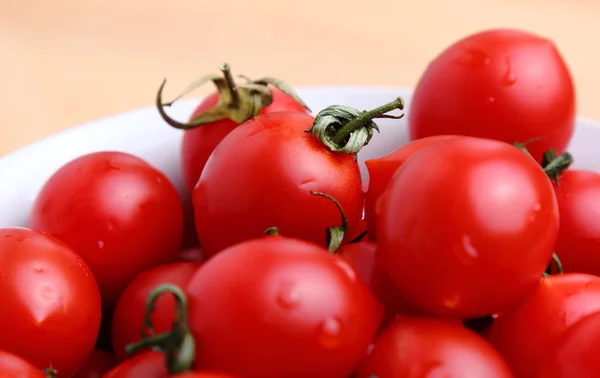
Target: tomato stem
(558, 263)
(50, 372)
(177, 343)
(555, 165)
(359, 238)
(272, 231)
(347, 129)
(335, 234)
(235, 98)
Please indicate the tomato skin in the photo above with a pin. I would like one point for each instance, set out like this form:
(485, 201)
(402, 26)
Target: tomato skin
(488, 257)
(425, 347)
(381, 172)
(97, 365)
(262, 175)
(508, 85)
(200, 142)
(118, 212)
(527, 334)
(576, 354)
(13, 366)
(50, 311)
(130, 310)
(283, 308)
(578, 244)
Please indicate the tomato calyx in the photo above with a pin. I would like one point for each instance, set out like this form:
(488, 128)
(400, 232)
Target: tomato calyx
(272, 231)
(346, 129)
(555, 165)
(177, 344)
(50, 372)
(557, 263)
(335, 234)
(238, 103)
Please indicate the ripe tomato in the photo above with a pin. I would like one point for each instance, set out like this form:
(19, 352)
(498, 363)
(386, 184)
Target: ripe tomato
(118, 212)
(381, 172)
(578, 244)
(576, 354)
(422, 347)
(98, 363)
(280, 307)
(527, 334)
(13, 366)
(262, 175)
(467, 227)
(130, 310)
(50, 309)
(508, 85)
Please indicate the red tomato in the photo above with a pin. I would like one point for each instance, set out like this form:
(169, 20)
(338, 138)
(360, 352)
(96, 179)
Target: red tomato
(199, 143)
(13, 366)
(381, 172)
(97, 365)
(508, 85)
(118, 212)
(130, 310)
(467, 227)
(578, 244)
(576, 354)
(152, 364)
(527, 334)
(193, 254)
(421, 347)
(50, 309)
(262, 175)
(279, 307)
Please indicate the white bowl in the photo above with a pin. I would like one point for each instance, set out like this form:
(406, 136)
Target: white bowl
(143, 133)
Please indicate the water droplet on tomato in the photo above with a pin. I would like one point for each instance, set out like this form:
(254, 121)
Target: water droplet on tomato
(537, 206)
(100, 244)
(347, 269)
(451, 301)
(110, 226)
(466, 253)
(473, 58)
(288, 296)
(491, 100)
(509, 78)
(329, 333)
(159, 180)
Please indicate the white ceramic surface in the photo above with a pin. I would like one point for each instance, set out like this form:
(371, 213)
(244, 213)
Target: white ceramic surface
(143, 133)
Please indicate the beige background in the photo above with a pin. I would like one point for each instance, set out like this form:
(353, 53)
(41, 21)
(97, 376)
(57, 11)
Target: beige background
(64, 62)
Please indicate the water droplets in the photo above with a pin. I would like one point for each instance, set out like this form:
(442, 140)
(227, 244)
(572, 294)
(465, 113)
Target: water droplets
(466, 252)
(100, 244)
(510, 77)
(491, 100)
(473, 58)
(288, 296)
(329, 333)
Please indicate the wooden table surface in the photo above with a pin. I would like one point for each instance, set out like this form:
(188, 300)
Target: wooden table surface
(65, 62)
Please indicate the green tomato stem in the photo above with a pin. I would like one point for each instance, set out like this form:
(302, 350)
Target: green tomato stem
(335, 234)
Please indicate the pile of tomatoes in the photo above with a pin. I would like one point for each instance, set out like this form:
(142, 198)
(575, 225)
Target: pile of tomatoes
(473, 252)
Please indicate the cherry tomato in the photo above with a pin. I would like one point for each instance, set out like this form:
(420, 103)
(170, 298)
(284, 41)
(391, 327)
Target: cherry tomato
(467, 227)
(13, 366)
(500, 84)
(422, 347)
(576, 354)
(130, 310)
(262, 175)
(527, 334)
(578, 244)
(97, 365)
(381, 172)
(50, 309)
(118, 212)
(199, 143)
(280, 307)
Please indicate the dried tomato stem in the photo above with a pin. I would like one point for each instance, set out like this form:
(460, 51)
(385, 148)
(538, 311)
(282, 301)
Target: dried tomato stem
(50, 372)
(231, 87)
(335, 234)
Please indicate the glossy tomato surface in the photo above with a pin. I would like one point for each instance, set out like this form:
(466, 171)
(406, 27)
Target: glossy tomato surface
(199, 143)
(130, 310)
(508, 85)
(578, 244)
(382, 170)
(98, 363)
(262, 175)
(467, 227)
(12, 366)
(576, 354)
(527, 334)
(421, 347)
(50, 309)
(118, 212)
(282, 308)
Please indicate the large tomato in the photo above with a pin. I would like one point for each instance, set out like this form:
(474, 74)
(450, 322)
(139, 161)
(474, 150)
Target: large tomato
(13, 366)
(508, 85)
(279, 307)
(467, 227)
(98, 363)
(130, 310)
(527, 334)
(50, 309)
(578, 244)
(421, 347)
(382, 170)
(118, 212)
